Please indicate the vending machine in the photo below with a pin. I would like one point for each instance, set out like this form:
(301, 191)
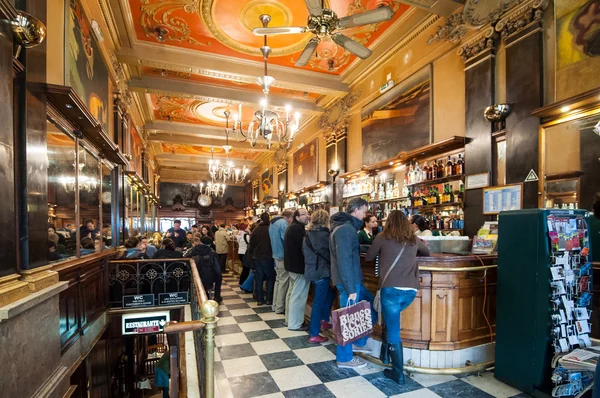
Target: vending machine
(544, 295)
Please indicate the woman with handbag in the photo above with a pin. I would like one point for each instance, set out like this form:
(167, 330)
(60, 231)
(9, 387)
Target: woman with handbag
(397, 247)
(317, 270)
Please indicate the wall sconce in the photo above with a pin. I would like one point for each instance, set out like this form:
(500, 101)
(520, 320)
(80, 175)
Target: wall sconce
(28, 31)
(160, 32)
(497, 112)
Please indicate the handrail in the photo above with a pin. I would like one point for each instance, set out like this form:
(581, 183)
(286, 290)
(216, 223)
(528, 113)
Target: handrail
(458, 269)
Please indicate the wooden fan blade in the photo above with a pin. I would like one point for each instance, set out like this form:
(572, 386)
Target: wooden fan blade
(308, 52)
(284, 30)
(379, 14)
(354, 47)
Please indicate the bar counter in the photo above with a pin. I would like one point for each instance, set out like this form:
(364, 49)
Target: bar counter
(445, 330)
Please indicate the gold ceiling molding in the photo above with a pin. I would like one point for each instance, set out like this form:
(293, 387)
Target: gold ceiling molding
(207, 8)
(520, 17)
(160, 15)
(110, 23)
(335, 119)
(477, 44)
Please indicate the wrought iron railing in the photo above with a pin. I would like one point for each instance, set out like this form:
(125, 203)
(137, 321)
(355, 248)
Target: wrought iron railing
(138, 277)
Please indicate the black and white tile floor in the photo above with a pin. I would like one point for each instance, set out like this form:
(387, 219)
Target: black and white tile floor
(257, 356)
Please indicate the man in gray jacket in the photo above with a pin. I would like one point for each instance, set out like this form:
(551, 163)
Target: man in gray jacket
(282, 282)
(346, 273)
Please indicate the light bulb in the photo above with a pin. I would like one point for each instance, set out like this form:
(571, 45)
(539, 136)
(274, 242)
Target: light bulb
(263, 102)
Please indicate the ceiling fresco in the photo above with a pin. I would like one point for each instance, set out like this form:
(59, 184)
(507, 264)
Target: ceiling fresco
(185, 149)
(251, 86)
(224, 27)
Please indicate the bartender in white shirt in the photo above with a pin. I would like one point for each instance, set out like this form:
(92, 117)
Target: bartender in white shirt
(420, 226)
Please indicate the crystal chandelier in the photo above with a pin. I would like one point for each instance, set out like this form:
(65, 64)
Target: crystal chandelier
(212, 189)
(225, 171)
(266, 122)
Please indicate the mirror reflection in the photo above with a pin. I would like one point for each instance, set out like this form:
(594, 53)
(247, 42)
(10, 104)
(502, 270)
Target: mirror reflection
(89, 203)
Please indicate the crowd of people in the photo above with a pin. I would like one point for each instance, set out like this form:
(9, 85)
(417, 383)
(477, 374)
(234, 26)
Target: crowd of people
(284, 255)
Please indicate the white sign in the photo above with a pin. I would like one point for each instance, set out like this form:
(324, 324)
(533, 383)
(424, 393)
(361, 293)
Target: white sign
(144, 322)
(531, 176)
(477, 181)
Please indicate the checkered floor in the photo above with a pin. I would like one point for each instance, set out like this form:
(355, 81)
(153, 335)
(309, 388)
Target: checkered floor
(259, 357)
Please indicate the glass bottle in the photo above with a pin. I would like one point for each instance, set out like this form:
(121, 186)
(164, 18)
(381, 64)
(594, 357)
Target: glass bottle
(440, 169)
(395, 190)
(459, 167)
(449, 167)
(434, 171)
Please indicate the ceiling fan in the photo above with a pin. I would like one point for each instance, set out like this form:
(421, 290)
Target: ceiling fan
(323, 22)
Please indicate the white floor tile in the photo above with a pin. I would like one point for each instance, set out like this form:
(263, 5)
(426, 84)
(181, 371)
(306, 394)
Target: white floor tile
(370, 368)
(243, 366)
(233, 301)
(245, 311)
(276, 395)
(223, 389)
(284, 332)
(270, 346)
(355, 387)
(222, 307)
(431, 380)
(296, 377)
(488, 383)
(314, 354)
(217, 355)
(267, 316)
(226, 321)
(423, 393)
(230, 339)
(253, 326)
(252, 304)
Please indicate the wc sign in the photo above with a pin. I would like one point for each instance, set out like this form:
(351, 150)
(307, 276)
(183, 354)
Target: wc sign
(144, 322)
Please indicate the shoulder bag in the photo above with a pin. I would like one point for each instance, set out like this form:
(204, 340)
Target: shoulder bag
(319, 255)
(377, 299)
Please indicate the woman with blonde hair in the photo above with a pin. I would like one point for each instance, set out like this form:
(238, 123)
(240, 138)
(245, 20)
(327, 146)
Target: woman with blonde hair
(317, 270)
(397, 248)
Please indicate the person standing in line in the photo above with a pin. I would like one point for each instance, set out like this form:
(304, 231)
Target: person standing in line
(294, 265)
(262, 254)
(347, 274)
(168, 250)
(177, 235)
(317, 270)
(367, 233)
(243, 238)
(397, 247)
(277, 233)
(222, 246)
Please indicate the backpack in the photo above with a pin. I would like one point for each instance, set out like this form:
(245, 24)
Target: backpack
(206, 269)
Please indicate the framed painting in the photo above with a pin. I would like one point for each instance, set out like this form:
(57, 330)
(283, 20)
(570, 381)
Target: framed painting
(85, 69)
(399, 120)
(266, 184)
(305, 165)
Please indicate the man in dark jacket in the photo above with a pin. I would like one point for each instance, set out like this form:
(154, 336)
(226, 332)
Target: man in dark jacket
(262, 255)
(177, 235)
(346, 272)
(293, 260)
(208, 266)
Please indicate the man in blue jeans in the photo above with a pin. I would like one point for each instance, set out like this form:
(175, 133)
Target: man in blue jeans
(347, 275)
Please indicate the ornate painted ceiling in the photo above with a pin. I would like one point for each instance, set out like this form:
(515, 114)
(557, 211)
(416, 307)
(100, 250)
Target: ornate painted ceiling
(224, 27)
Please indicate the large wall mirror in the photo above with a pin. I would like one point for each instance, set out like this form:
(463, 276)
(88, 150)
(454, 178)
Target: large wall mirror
(570, 147)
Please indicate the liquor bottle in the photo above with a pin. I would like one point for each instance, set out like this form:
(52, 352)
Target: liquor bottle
(417, 171)
(381, 192)
(427, 171)
(410, 200)
(459, 167)
(434, 171)
(461, 192)
(440, 169)
(449, 167)
(395, 190)
(424, 172)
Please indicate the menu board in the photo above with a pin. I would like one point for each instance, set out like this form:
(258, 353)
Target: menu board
(506, 197)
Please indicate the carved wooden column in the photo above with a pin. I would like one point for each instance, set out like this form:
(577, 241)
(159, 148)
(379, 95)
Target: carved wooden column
(522, 34)
(478, 54)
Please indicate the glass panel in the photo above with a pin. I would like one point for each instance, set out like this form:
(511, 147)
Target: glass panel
(61, 195)
(107, 205)
(562, 194)
(501, 162)
(126, 227)
(89, 203)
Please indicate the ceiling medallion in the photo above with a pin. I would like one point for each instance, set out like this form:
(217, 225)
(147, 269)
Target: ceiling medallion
(172, 109)
(207, 10)
(158, 21)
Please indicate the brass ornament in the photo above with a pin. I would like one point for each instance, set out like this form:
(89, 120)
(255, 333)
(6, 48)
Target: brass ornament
(28, 31)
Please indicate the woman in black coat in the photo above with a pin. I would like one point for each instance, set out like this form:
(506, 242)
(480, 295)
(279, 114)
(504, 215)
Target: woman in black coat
(317, 270)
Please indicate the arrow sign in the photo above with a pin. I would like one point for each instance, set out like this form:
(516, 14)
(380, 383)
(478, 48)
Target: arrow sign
(531, 176)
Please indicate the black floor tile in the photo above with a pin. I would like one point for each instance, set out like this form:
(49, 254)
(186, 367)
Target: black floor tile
(332, 348)
(248, 299)
(390, 387)
(220, 371)
(458, 388)
(280, 360)
(230, 295)
(247, 318)
(261, 335)
(263, 309)
(298, 342)
(318, 391)
(223, 314)
(228, 329)
(253, 385)
(523, 395)
(328, 371)
(240, 306)
(236, 351)
(276, 323)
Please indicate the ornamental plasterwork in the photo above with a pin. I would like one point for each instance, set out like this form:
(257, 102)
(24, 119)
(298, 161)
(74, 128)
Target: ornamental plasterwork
(477, 44)
(475, 15)
(335, 118)
(520, 17)
(160, 16)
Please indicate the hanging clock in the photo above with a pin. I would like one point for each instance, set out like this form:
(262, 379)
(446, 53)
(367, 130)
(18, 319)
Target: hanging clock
(106, 197)
(204, 200)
